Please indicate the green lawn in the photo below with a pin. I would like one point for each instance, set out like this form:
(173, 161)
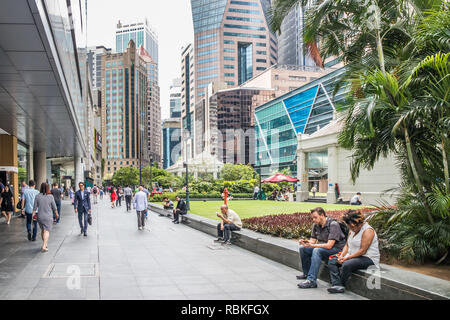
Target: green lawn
(256, 208)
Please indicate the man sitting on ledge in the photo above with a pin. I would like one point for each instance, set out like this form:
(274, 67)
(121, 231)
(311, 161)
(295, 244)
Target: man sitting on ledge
(230, 222)
(167, 204)
(326, 239)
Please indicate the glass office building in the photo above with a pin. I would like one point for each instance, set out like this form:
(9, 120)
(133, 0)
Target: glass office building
(233, 42)
(301, 111)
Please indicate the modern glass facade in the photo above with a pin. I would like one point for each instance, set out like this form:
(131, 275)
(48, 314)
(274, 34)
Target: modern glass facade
(303, 110)
(245, 62)
(229, 30)
(171, 142)
(291, 48)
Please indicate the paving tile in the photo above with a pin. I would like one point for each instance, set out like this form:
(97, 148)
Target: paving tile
(168, 262)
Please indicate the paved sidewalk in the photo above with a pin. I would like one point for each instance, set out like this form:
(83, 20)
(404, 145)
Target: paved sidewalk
(117, 261)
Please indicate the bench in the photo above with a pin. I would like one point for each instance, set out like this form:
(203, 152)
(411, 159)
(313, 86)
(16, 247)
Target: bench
(396, 283)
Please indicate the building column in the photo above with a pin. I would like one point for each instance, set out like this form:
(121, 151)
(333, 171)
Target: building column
(79, 174)
(332, 174)
(302, 176)
(40, 167)
(9, 158)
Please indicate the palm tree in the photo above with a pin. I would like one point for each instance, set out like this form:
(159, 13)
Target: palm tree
(397, 72)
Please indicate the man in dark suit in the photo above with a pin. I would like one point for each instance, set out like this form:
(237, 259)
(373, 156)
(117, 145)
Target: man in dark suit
(180, 209)
(82, 204)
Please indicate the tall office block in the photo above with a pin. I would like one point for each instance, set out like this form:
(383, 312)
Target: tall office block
(291, 48)
(233, 42)
(171, 129)
(187, 99)
(153, 109)
(124, 109)
(175, 98)
(94, 56)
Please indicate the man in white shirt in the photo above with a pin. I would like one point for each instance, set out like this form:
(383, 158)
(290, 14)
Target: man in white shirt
(255, 193)
(128, 194)
(230, 222)
(140, 203)
(356, 200)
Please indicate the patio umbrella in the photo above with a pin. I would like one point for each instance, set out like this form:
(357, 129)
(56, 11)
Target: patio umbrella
(279, 177)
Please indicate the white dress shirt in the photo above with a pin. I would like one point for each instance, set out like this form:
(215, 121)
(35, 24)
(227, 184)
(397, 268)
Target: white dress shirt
(140, 201)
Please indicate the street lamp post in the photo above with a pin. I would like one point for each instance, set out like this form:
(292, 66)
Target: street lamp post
(260, 190)
(151, 175)
(187, 185)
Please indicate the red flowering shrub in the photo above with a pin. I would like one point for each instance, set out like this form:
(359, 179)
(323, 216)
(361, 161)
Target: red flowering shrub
(290, 226)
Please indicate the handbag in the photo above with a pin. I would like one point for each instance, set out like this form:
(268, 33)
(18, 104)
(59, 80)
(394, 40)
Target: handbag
(19, 205)
(90, 219)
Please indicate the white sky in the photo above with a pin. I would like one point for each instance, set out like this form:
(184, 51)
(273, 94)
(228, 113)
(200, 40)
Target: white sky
(170, 19)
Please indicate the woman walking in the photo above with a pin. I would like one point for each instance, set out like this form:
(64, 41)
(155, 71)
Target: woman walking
(6, 203)
(45, 204)
(113, 197)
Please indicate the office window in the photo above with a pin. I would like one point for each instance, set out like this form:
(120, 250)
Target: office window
(297, 78)
(243, 11)
(261, 60)
(238, 26)
(246, 35)
(229, 74)
(228, 50)
(228, 58)
(244, 3)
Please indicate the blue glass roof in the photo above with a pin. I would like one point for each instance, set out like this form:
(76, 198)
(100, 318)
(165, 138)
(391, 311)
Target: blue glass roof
(299, 107)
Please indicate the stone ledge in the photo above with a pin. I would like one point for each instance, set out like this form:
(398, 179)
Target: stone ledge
(396, 283)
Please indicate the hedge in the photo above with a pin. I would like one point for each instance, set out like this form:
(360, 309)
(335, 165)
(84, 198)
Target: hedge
(290, 226)
(194, 195)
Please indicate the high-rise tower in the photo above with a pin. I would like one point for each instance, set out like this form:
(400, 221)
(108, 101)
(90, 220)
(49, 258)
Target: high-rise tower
(232, 42)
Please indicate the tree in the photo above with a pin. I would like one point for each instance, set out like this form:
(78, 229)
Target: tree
(126, 176)
(396, 55)
(232, 172)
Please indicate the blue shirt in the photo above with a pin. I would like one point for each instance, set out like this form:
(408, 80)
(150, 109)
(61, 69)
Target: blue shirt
(29, 194)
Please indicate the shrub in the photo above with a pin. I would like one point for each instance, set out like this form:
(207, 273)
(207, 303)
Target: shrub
(290, 226)
(196, 195)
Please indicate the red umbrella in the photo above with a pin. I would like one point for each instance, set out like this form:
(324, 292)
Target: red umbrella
(279, 177)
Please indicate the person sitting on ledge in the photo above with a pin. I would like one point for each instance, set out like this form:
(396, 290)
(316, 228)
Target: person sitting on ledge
(360, 252)
(180, 209)
(230, 222)
(356, 200)
(167, 204)
(326, 239)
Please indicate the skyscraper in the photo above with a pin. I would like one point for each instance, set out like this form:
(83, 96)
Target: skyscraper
(291, 48)
(187, 99)
(233, 42)
(175, 98)
(124, 109)
(94, 56)
(153, 109)
(146, 41)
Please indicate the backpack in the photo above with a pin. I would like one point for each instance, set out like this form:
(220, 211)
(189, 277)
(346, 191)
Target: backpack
(342, 225)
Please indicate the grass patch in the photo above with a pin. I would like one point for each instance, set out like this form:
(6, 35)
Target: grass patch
(257, 208)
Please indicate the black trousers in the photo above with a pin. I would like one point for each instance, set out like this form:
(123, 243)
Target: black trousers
(226, 232)
(339, 274)
(141, 218)
(176, 215)
(128, 202)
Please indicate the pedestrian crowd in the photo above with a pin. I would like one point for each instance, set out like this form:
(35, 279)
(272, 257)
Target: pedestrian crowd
(345, 246)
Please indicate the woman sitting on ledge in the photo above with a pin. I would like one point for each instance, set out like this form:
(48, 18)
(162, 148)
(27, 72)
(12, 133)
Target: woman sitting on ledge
(360, 252)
